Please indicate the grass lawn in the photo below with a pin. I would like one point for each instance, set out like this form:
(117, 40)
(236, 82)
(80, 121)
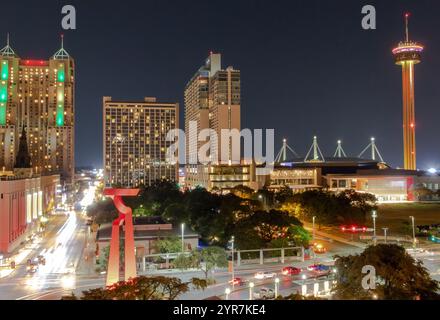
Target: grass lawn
(394, 216)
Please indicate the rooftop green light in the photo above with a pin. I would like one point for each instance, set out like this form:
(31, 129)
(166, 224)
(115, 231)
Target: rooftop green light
(3, 93)
(60, 75)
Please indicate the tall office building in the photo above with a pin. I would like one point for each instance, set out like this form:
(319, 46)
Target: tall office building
(212, 100)
(38, 95)
(407, 54)
(135, 146)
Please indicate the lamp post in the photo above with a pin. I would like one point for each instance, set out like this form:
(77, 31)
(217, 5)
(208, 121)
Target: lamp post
(227, 292)
(374, 216)
(232, 260)
(304, 277)
(277, 282)
(251, 290)
(385, 233)
(183, 237)
(413, 231)
(313, 229)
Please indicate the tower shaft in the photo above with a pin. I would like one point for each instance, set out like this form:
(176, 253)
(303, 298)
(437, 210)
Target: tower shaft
(409, 135)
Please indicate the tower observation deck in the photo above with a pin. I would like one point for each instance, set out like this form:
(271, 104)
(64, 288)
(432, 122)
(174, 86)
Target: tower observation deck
(407, 54)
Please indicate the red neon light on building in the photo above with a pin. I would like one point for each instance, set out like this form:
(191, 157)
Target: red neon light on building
(34, 63)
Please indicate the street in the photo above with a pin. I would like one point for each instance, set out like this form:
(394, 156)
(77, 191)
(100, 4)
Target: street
(67, 271)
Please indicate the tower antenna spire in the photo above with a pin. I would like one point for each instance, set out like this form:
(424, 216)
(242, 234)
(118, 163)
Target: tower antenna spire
(406, 27)
(7, 39)
(61, 54)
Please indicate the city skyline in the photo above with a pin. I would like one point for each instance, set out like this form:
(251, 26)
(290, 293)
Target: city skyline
(360, 76)
(228, 151)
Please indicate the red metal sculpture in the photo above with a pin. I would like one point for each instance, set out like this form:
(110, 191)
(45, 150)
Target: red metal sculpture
(124, 218)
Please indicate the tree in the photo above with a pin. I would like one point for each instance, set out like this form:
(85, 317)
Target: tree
(168, 245)
(261, 229)
(298, 236)
(265, 196)
(184, 262)
(398, 275)
(212, 257)
(204, 260)
(423, 193)
(102, 211)
(293, 208)
(283, 195)
(348, 207)
(242, 191)
(142, 288)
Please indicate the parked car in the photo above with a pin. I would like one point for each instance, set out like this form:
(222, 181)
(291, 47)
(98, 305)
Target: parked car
(264, 293)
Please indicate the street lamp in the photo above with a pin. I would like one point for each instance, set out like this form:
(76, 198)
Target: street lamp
(413, 231)
(374, 216)
(277, 281)
(232, 260)
(304, 277)
(313, 229)
(385, 233)
(251, 290)
(227, 292)
(183, 243)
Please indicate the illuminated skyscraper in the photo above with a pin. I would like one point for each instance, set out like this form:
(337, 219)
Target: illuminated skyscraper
(135, 144)
(212, 101)
(407, 54)
(38, 95)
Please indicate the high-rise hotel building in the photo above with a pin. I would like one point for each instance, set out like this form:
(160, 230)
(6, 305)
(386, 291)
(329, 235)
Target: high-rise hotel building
(135, 146)
(212, 100)
(39, 95)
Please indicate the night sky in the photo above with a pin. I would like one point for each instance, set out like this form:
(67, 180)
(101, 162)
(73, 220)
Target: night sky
(307, 67)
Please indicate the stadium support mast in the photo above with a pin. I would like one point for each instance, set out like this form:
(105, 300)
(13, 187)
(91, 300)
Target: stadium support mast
(282, 154)
(339, 153)
(374, 150)
(317, 154)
